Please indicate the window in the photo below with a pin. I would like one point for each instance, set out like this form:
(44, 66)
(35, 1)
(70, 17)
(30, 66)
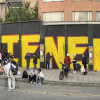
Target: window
(98, 16)
(53, 16)
(14, 3)
(51, 0)
(81, 16)
(36, 3)
(81, 0)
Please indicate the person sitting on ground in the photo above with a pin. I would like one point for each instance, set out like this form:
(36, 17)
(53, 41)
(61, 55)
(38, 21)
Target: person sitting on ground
(40, 77)
(32, 75)
(4, 57)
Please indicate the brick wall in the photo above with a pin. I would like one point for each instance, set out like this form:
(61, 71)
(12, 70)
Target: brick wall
(68, 6)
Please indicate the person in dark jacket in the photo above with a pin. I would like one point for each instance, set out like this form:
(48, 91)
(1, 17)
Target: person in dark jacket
(74, 63)
(35, 61)
(84, 62)
(4, 57)
(67, 61)
(27, 57)
(48, 60)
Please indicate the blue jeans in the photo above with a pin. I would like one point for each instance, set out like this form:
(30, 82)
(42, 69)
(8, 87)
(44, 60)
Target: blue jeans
(39, 79)
(35, 66)
(27, 64)
(74, 64)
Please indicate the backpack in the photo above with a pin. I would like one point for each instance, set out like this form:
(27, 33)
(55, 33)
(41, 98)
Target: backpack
(13, 70)
(25, 74)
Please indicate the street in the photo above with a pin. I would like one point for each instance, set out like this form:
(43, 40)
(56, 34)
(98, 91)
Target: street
(29, 91)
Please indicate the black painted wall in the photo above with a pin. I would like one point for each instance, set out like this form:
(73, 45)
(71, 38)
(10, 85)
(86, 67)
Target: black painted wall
(36, 27)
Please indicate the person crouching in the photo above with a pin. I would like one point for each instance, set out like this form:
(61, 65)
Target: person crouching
(32, 75)
(40, 77)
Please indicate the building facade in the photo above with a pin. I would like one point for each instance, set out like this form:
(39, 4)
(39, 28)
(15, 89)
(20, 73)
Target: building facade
(17, 3)
(3, 9)
(69, 10)
(32, 2)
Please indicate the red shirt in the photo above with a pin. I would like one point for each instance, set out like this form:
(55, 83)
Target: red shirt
(67, 60)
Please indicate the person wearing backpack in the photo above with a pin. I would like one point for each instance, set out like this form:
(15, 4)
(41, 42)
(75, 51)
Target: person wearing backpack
(35, 61)
(10, 75)
(27, 57)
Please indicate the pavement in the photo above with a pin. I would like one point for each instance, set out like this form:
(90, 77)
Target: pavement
(73, 79)
(28, 91)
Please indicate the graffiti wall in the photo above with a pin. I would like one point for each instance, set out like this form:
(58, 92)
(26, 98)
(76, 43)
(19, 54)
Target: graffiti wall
(19, 38)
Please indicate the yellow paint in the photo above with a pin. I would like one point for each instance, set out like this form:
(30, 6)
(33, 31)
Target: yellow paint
(96, 47)
(72, 49)
(32, 49)
(59, 53)
(10, 40)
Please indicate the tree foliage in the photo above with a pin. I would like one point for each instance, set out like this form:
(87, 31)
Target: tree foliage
(22, 13)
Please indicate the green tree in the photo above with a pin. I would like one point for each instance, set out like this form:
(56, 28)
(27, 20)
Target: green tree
(35, 13)
(23, 13)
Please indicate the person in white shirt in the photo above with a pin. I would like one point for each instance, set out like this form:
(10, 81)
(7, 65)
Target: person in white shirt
(40, 77)
(11, 77)
(32, 75)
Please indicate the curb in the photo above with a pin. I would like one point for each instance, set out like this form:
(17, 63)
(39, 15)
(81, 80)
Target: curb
(60, 82)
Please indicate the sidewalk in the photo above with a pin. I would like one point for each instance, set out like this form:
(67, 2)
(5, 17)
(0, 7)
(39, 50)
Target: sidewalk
(77, 79)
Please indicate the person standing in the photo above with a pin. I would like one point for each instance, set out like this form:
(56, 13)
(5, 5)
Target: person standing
(48, 60)
(84, 62)
(67, 61)
(0, 58)
(74, 63)
(35, 61)
(11, 77)
(27, 57)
